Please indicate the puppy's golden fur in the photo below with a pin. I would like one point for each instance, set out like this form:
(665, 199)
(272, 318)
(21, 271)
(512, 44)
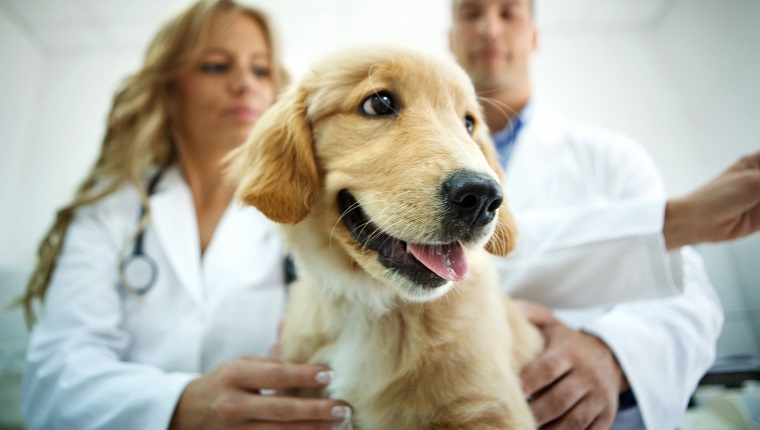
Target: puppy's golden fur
(410, 349)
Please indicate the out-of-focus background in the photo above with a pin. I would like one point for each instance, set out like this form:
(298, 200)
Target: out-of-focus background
(680, 76)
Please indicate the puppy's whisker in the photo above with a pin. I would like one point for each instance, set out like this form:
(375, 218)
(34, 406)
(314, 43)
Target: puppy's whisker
(505, 110)
(353, 206)
(361, 227)
(400, 215)
(492, 90)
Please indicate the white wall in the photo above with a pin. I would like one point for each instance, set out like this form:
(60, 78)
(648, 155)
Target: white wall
(421, 24)
(22, 65)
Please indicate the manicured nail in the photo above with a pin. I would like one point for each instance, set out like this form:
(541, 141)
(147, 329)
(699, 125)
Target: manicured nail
(324, 377)
(340, 411)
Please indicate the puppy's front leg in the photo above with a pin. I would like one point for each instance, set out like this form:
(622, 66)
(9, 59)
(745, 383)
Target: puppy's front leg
(302, 338)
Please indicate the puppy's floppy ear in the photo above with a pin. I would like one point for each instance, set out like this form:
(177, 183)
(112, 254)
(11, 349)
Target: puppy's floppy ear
(504, 238)
(276, 169)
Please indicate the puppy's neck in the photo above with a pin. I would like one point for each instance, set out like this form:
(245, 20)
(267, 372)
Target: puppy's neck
(354, 292)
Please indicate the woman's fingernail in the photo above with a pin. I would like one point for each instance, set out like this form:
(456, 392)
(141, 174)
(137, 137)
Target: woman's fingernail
(324, 377)
(340, 411)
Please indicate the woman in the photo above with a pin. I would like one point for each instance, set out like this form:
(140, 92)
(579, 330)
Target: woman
(160, 293)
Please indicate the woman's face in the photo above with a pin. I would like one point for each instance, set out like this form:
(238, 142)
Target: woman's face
(222, 95)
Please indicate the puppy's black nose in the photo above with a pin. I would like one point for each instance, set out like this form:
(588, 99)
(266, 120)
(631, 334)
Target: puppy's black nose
(474, 198)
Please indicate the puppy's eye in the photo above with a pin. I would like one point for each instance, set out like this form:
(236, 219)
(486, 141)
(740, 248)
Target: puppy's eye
(379, 104)
(469, 123)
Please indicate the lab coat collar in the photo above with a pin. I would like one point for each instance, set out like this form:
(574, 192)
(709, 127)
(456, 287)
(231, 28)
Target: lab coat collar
(242, 232)
(542, 126)
(172, 217)
(541, 131)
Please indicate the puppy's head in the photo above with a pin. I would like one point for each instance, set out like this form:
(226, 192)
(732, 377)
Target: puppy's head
(384, 151)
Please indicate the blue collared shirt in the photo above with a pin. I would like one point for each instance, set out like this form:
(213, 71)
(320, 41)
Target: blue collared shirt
(506, 137)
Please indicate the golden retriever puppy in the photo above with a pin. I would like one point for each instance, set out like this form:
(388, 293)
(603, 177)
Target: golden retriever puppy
(380, 168)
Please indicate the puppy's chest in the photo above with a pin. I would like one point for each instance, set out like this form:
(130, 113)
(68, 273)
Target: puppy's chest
(356, 357)
(341, 332)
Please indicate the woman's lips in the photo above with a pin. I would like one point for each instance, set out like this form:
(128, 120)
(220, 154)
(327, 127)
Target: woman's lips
(243, 113)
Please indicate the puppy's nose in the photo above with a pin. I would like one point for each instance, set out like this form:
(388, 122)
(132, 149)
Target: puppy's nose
(475, 198)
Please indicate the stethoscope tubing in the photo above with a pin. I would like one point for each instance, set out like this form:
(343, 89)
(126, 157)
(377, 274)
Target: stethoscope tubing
(140, 267)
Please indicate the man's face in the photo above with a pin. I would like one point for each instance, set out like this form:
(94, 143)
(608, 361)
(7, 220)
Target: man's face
(493, 40)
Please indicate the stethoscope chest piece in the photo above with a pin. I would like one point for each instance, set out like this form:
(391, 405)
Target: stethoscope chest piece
(139, 272)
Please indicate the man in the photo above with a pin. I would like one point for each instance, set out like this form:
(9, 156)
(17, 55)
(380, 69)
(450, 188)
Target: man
(592, 213)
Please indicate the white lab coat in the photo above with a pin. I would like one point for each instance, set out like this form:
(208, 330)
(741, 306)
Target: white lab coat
(103, 358)
(590, 205)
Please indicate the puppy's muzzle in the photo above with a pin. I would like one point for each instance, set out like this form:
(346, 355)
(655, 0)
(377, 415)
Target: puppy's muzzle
(472, 199)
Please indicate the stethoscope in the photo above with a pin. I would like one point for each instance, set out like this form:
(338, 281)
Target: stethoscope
(138, 269)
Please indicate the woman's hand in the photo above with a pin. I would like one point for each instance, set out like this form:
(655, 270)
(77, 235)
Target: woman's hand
(229, 398)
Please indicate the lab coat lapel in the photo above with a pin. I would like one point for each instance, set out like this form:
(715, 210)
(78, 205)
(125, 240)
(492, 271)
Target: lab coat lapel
(529, 156)
(177, 230)
(241, 235)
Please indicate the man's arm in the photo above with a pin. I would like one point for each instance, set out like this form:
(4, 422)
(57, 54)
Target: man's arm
(726, 208)
(551, 241)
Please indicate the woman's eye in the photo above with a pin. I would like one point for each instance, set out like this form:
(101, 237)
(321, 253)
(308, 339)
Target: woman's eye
(213, 67)
(260, 72)
(469, 123)
(379, 104)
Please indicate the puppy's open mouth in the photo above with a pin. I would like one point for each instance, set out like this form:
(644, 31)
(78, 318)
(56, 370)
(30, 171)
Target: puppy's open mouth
(429, 265)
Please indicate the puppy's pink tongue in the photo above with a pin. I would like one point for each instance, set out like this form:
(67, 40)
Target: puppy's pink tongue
(447, 261)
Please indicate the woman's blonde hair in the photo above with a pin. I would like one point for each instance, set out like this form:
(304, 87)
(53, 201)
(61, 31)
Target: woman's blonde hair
(139, 123)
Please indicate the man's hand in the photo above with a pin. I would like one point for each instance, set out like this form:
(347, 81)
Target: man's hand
(575, 383)
(229, 398)
(726, 208)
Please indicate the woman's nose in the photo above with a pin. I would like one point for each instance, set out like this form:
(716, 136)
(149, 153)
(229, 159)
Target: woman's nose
(242, 81)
